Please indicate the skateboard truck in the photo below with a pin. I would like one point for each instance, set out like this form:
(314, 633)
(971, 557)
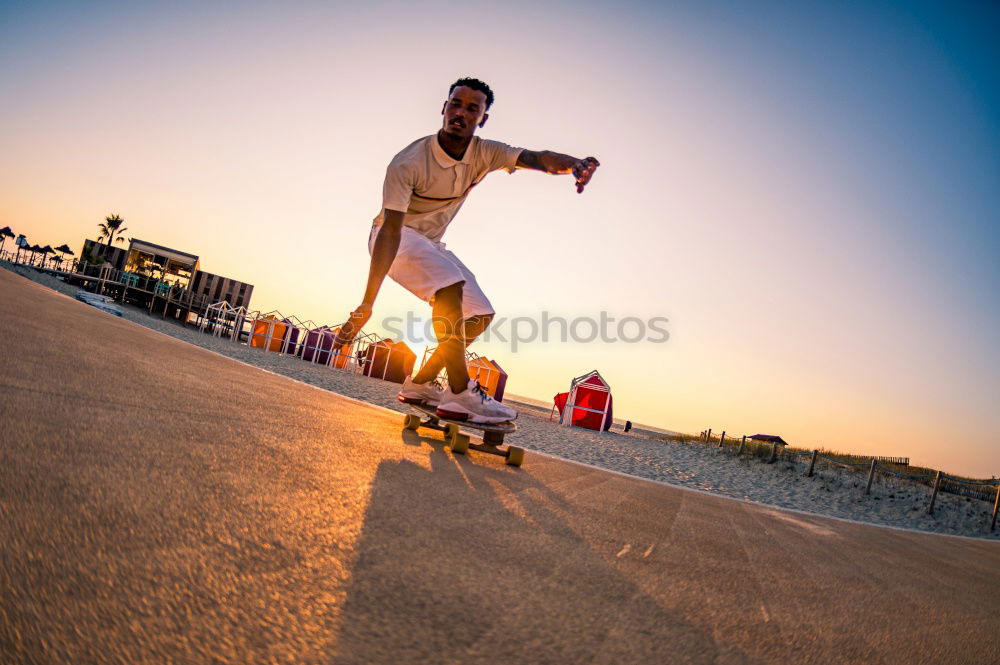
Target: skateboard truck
(459, 442)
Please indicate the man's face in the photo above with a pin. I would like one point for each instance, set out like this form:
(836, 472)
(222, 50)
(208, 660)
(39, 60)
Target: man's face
(464, 111)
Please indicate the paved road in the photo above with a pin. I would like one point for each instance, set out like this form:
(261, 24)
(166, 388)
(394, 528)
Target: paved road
(161, 504)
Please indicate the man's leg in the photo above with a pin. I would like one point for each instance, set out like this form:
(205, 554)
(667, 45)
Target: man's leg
(450, 353)
(460, 403)
(472, 327)
(427, 264)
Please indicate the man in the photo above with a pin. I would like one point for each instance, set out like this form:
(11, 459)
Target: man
(425, 186)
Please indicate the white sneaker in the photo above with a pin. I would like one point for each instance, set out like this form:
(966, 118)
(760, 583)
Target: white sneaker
(427, 394)
(474, 405)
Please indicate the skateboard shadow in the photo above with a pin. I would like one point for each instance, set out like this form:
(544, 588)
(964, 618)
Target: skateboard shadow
(472, 561)
(411, 438)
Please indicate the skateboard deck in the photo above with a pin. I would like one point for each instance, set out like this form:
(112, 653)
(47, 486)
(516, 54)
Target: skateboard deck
(459, 442)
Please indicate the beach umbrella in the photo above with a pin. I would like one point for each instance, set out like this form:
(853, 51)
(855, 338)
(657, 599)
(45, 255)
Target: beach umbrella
(45, 252)
(5, 233)
(64, 250)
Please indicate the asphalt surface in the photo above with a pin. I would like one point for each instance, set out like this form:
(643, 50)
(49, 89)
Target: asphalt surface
(162, 504)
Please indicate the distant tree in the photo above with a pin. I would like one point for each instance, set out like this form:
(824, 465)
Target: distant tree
(111, 228)
(92, 258)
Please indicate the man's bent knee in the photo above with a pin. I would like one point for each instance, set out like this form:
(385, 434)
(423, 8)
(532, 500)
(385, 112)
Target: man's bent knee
(474, 326)
(447, 315)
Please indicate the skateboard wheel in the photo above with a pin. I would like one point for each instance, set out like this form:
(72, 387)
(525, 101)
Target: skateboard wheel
(411, 421)
(459, 443)
(450, 430)
(515, 455)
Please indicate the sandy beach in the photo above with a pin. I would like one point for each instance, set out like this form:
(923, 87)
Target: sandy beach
(831, 491)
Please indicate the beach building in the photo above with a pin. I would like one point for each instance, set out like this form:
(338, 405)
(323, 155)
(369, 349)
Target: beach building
(169, 265)
(113, 255)
(388, 360)
(587, 404)
(172, 267)
(147, 260)
(218, 288)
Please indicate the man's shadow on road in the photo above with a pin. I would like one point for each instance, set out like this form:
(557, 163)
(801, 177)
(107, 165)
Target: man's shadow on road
(474, 561)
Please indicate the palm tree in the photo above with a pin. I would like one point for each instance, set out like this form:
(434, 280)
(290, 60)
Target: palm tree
(112, 227)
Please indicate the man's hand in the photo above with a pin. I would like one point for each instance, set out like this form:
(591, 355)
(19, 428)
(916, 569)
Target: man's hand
(350, 329)
(583, 171)
(558, 164)
(360, 316)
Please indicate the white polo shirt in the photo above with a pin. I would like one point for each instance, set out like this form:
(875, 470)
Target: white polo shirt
(426, 184)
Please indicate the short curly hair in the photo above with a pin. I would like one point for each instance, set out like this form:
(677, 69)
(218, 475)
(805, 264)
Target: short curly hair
(475, 84)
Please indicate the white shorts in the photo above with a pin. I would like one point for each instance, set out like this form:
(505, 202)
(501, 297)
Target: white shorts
(424, 267)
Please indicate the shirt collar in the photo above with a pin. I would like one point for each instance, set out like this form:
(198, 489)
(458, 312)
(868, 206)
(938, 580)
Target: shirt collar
(445, 160)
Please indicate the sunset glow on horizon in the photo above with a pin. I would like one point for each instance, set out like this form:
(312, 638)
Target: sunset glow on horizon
(807, 193)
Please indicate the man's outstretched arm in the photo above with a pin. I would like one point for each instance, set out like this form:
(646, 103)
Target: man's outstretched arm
(383, 254)
(559, 164)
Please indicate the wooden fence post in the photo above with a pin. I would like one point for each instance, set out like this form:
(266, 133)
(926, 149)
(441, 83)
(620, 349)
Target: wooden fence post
(812, 464)
(743, 443)
(871, 477)
(722, 438)
(708, 435)
(996, 504)
(774, 452)
(937, 485)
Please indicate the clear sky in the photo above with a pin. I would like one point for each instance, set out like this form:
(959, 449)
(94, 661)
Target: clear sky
(808, 191)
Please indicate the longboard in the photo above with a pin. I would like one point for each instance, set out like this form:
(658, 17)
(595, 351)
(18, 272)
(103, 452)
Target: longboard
(459, 442)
